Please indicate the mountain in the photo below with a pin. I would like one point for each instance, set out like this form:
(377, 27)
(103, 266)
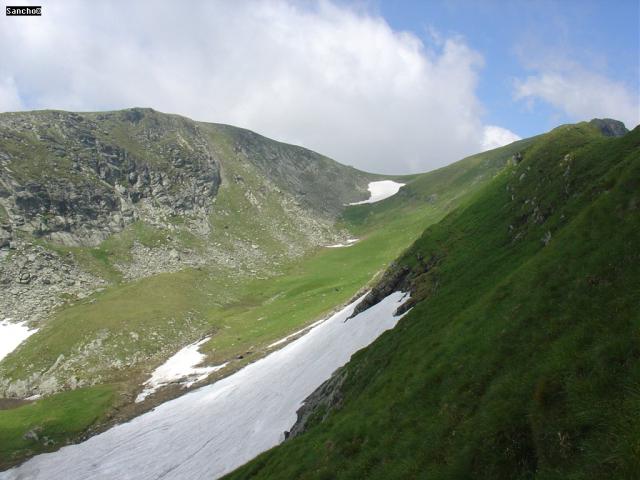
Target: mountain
(74, 180)
(124, 234)
(235, 263)
(519, 354)
(77, 178)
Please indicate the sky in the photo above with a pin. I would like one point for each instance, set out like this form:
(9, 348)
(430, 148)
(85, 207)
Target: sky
(386, 86)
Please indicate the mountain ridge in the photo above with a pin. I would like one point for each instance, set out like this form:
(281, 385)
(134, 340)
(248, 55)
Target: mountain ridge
(518, 358)
(138, 154)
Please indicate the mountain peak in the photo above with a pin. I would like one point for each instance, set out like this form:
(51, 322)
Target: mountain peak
(609, 127)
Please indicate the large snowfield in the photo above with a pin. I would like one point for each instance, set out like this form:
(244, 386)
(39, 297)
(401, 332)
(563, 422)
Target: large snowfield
(12, 335)
(215, 429)
(381, 190)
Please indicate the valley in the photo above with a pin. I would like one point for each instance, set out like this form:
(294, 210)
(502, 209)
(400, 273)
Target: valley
(163, 286)
(180, 303)
(320, 240)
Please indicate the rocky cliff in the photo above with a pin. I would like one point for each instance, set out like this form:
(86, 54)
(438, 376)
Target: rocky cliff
(77, 178)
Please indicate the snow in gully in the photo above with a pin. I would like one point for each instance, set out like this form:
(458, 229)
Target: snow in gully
(380, 190)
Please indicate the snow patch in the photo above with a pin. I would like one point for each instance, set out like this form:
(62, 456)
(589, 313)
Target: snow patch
(381, 190)
(180, 368)
(12, 335)
(215, 429)
(348, 243)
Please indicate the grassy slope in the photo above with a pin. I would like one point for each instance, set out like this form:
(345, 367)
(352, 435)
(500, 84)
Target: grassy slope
(521, 360)
(245, 314)
(57, 419)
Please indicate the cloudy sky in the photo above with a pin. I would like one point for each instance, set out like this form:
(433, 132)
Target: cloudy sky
(391, 87)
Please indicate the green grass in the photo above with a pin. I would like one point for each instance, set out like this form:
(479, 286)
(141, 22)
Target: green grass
(56, 420)
(169, 310)
(520, 360)
(163, 311)
(268, 310)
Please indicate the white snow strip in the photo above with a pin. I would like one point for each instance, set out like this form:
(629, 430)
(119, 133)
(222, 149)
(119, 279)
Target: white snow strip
(180, 368)
(381, 190)
(12, 335)
(215, 429)
(348, 243)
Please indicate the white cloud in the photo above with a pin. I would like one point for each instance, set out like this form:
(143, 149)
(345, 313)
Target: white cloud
(581, 94)
(334, 79)
(495, 137)
(9, 96)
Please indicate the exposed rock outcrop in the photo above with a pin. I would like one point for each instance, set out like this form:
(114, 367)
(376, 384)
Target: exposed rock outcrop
(395, 279)
(609, 127)
(78, 178)
(317, 406)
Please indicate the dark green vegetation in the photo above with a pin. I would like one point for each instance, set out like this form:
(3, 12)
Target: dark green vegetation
(52, 422)
(521, 356)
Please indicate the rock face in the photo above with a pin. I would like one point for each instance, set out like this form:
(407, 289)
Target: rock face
(609, 127)
(396, 278)
(317, 406)
(77, 178)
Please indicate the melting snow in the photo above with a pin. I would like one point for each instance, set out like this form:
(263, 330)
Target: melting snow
(381, 190)
(12, 335)
(180, 368)
(213, 430)
(348, 243)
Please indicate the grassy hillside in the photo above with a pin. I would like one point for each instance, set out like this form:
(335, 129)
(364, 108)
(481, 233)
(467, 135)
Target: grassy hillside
(244, 310)
(521, 356)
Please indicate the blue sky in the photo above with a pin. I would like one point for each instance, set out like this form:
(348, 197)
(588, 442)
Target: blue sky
(603, 36)
(386, 86)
